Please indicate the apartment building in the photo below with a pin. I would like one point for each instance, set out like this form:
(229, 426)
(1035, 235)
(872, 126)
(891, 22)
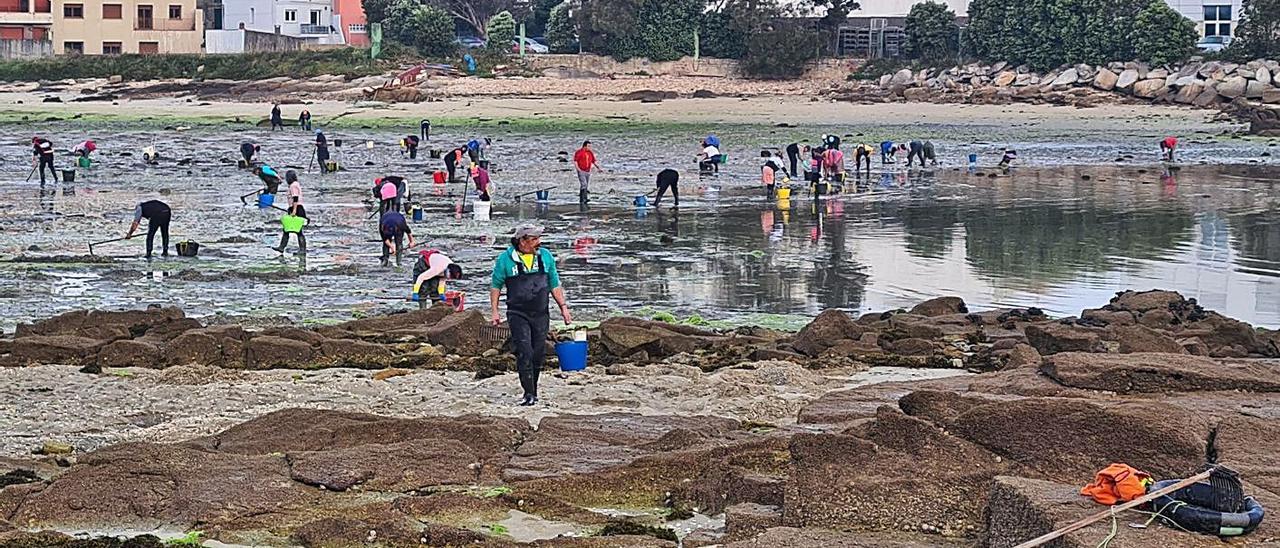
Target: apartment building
(112, 27)
(1212, 17)
(313, 20)
(25, 19)
(354, 24)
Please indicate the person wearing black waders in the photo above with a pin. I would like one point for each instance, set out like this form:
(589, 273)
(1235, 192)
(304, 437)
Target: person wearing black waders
(270, 179)
(322, 151)
(42, 152)
(528, 272)
(277, 121)
(250, 153)
(158, 215)
(292, 222)
(392, 228)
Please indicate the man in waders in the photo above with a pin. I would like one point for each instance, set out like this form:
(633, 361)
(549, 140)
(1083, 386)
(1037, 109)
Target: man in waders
(276, 120)
(431, 271)
(158, 216)
(42, 152)
(529, 274)
(250, 153)
(585, 160)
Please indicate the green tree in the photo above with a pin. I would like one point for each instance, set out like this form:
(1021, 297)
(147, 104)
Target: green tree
(536, 23)
(1048, 33)
(779, 50)
(725, 29)
(931, 32)
(562, 33)
(1258, 34)
(428, 28)
(500, 32)
(375, 11)
(1162, 36)
(661, 30)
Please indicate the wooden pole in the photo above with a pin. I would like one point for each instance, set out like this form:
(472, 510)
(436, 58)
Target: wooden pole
(1115, 510)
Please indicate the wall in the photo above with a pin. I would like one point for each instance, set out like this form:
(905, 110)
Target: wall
(185, 35)
(352, 13)
(25, 49)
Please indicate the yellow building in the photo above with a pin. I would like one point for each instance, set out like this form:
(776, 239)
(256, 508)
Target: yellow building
(112, 27)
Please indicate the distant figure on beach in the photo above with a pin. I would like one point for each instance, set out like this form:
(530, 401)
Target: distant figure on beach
(887, 152)
(1166, 147)
(528, 272)
(1009, 156)
(831, 141)
(584, 160)
(292, 222)
(42, 152)
(250, 153)
(84, 149)
(388, 190)
(768, 174)
(410, 145)
(915, 150)
(793, 158)
(480, 176)
(862, 152)
(322, 151)
(276, 120)
(392, 228)
(452, 160)
(930, 154)
(709, 159)
(304, 120)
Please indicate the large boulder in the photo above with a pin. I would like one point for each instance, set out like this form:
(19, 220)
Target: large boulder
(1070, 439)
(1255, 89)
(1149, 88)
(377, 327)
(1051, 338)
(1137, 338)
(1160, 373)
(940, 306)
(356, 353)
(902, 78)
(1106, 80)
(221, 345)
(463, 333)
(1126, 79)
(623, 339)
(825, 331)
(1006, 78)
(1233, 87)
(85, 322)
(130, 353)
(880, 475)
(55, 349)
(267, 352)
(1067, 78)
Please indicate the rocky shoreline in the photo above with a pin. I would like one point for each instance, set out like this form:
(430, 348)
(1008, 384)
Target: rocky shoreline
(988, 459)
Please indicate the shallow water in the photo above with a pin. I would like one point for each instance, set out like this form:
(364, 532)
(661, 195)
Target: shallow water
(1060, 237)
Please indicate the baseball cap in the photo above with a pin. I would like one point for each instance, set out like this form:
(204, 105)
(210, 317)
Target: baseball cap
(528, 231)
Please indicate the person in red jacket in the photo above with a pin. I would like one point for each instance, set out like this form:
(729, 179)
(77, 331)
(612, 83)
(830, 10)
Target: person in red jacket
(1166, 147)
(584, 160)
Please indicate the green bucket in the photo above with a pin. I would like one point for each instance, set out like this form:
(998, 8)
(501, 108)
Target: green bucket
(84, 162)
(292, 223)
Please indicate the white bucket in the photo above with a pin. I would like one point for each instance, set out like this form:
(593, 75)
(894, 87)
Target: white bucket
(481, 210)
(580, 335)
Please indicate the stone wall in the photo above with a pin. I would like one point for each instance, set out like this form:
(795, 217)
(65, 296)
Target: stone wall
(25, 49)
(1209, 84)
(590, 65)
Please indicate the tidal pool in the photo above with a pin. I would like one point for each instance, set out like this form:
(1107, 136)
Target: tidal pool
(1063, 231)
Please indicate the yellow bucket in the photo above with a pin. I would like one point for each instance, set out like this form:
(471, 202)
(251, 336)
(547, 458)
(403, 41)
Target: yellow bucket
(784, 193)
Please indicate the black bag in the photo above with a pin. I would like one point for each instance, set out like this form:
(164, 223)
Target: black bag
(188, 248)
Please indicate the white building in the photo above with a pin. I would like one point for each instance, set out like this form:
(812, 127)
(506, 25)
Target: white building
(313, 20)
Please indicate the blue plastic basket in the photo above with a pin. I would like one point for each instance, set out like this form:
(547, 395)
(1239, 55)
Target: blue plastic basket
(265, 200)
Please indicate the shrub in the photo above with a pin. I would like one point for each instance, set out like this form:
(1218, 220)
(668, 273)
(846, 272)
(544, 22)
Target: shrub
(931, 32)
(1049, 33)
(1162, 36)
(661, 30)
(428, 28)
(562, 34)
(351, 62)
(500, 33)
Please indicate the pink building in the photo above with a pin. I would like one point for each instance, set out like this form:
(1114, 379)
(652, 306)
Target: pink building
(353, 22)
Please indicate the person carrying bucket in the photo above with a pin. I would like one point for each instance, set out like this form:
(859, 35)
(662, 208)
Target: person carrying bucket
(295, 188)
(528, 272)
(481, 177)
(158, 216)
(292, 222)
(42, 153)
(432, 270)
(392, 228)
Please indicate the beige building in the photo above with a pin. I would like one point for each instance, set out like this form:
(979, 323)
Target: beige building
(112, 27)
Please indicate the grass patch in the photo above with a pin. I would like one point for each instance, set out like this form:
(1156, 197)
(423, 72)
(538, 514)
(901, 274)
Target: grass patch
(497, 529)
(190, 539)
(496, 492)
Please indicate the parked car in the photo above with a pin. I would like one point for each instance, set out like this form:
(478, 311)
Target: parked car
(469, 42)
(530, 46)
(1213, 43)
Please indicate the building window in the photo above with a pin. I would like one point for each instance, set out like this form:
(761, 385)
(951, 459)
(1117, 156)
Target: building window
(144, 22)
(112, 11)
(148, 48)
(291, 16)
(73, 48)
(175, 11)
(1217, 20)
(73, 11)
(355, 28)
(112, 48)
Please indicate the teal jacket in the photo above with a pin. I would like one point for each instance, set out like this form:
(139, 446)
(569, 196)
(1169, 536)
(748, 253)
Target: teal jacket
(505, 267)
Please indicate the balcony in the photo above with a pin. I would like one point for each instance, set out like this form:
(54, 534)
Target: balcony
(313, 29)
(187, 24)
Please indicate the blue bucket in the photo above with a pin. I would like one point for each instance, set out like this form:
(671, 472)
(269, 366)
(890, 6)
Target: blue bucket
(973, 159)
(642, 201)
(265, 200)
(542, 195)
(572, 355)
(417, 213)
